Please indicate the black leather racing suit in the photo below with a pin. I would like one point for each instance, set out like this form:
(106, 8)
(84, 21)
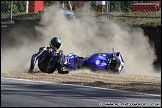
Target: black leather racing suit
(47, 60)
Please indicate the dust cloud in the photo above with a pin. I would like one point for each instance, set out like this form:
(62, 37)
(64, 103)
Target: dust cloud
(85, 37)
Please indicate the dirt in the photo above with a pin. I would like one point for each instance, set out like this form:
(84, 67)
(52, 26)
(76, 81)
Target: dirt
(135, 83)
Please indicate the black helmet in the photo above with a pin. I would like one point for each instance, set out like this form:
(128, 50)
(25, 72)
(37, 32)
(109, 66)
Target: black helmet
(55, 43)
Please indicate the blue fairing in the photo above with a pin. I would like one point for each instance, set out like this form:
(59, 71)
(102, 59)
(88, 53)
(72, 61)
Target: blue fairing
(98, 61)
(70, 63)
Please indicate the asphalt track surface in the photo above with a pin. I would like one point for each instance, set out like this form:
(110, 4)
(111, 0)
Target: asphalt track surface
(27, 93)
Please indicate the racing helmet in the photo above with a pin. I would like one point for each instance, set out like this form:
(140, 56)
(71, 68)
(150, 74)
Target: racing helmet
(55, 43)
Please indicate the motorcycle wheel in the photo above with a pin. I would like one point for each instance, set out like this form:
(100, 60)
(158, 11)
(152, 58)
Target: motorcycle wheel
(79, 62)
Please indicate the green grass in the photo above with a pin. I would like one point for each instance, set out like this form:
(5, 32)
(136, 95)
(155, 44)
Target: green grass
(154, 21)
(153, 17)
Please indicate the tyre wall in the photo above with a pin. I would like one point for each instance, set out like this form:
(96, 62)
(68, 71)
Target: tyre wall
(154, 34)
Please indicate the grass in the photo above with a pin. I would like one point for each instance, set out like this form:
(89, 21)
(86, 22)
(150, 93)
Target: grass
(152, 17)
(138, 21)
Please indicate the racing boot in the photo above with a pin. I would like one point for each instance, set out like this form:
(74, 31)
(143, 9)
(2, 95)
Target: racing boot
(61, 70)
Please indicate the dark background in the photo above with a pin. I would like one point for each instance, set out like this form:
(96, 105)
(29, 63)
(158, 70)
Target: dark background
(8, 36)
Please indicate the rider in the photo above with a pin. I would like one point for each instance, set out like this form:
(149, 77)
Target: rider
(49, 58)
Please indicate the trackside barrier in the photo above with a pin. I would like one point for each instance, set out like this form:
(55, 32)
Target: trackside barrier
(145, 7)
(35, 6)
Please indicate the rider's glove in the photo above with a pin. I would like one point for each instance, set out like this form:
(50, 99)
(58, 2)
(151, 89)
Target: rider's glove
(54, 55)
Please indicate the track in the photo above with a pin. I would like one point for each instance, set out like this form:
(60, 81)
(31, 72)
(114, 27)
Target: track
(27, 93)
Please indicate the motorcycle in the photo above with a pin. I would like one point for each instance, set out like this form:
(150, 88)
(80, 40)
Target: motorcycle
(110, 62)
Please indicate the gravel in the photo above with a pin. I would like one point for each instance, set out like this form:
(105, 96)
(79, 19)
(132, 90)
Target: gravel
(137, 83)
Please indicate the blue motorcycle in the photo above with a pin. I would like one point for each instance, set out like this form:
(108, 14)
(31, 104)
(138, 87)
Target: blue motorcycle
(111, 62)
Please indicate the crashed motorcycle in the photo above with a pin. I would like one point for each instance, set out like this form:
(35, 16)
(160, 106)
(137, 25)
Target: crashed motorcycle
(109, 62)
